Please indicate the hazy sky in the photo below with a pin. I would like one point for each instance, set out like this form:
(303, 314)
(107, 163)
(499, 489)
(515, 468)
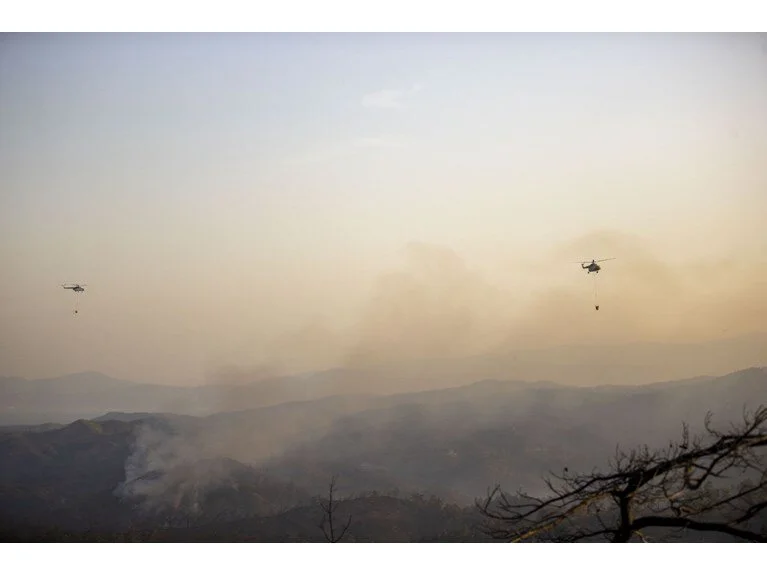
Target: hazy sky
(292, 201)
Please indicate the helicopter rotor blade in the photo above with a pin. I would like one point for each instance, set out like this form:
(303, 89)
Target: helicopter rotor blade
(605, 260)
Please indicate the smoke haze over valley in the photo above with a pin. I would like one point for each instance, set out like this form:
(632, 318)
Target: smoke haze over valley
(352, 270)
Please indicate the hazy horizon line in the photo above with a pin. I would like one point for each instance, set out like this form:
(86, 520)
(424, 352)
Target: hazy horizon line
(420, 360)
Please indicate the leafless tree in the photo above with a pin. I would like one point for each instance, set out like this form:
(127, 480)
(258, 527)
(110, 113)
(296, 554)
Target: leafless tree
(714, 483)
(329, 508)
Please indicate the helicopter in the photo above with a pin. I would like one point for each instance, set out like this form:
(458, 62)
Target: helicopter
(593, 265)
(77, 288)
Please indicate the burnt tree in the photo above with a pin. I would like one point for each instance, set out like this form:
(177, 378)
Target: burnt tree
(329, 508)
(713, 483)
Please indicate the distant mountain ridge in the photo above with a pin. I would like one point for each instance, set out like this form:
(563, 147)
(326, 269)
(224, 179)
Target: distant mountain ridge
(90, 394)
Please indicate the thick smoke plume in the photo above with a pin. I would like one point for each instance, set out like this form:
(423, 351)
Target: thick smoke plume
(437, 309)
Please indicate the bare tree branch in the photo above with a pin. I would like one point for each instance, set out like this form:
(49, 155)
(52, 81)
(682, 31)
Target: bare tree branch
(329, 508)
(715, 484)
